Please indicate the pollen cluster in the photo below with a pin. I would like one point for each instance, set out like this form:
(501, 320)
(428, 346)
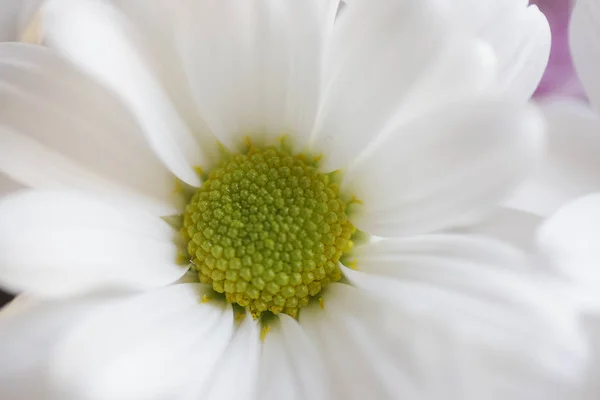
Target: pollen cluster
(267, 229)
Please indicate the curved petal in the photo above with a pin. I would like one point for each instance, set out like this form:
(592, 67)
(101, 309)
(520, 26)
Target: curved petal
(363, 346)
(522, 44)
(61, 243)
(291, 368)
(448, 260)
(469, 304)
(119, 58)
(570, 165)
(15, 17)
(570, 240)
(518, 33)
(151, 346)
(28, 340)
(261, 79)
(156, 22)
(241, 360)
(397, 58)
(446, 168)
(585, 46)
(80, 137)
(276, 379)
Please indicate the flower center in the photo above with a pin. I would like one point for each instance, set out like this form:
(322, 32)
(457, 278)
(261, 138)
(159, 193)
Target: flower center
(267, 229)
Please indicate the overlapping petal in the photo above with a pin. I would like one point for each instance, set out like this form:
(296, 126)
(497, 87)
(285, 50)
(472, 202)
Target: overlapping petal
(446, 168)
(61, 130)
(66, 243)
(122, 59)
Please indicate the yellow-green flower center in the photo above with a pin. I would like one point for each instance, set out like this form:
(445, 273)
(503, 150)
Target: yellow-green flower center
(267, 229)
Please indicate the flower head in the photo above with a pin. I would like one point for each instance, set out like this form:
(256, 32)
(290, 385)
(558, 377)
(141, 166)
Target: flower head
(252, 148)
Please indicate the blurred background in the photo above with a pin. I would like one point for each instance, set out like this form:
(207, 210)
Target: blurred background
(559, 79)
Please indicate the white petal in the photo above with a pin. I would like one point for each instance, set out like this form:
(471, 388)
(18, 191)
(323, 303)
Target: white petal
(522, 44)
(570, 165)
(448, 260)
(570, 239)
(518, 33)
(239, 363)
(156, 21)
(59, 129)
(120, 59)
(261, 78)
(513, 226)
(469, 305)
(276, 379)
(14, 18)
(27, 342)
(352, 333)
(291, 367)
(151, 346)
(61, 243)
(390, 61)
(585, 46)
(446, 168)
(466, 278)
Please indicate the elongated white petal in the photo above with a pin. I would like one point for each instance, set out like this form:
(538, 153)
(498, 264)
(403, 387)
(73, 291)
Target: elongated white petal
(151, 346)
(61, 243)
(522, 43)
(291, 367)
(465, 275)
(100, 39)
(518, 33)
(390, 61)
(59, 129)
(570, 165)
(275, 363)
(570, 239)
(585, 46)
(156, 22)
(446, 168)
(28, 340)
(443, 259)
(239, 363)
(261, 78)
(467, 307)
(362, 345)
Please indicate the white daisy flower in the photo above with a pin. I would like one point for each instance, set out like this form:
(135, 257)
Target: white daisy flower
(275, 141)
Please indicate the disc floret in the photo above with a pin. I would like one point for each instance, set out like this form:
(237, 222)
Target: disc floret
(267, 229)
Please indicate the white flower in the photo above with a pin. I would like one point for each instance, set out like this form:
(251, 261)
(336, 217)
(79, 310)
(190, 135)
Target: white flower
(392, 94)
